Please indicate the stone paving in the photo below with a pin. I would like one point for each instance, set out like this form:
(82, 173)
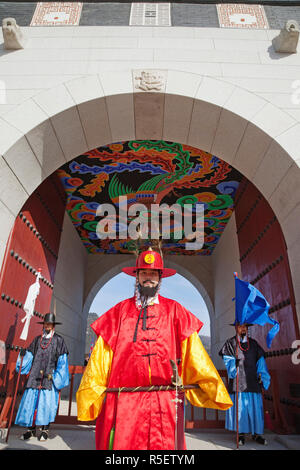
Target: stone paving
(82, 437)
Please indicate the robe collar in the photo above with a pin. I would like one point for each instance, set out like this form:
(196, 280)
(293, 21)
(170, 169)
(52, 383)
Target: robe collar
(150, 300)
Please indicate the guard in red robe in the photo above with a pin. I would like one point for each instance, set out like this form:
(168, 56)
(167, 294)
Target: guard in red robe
(136, 340)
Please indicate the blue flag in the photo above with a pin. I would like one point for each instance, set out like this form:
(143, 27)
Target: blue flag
(251, 307)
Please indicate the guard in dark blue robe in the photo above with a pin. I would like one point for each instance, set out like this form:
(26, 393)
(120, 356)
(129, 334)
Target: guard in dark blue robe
(246, 354)
(47, 361)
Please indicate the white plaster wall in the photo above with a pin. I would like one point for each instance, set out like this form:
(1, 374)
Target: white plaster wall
(245, 58)
(68, 291)
(225, 261)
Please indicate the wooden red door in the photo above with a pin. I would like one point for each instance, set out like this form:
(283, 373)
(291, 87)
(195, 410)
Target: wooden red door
(264, 263)
(33, 244)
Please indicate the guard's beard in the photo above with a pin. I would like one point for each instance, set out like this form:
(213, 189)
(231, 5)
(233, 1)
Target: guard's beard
(147, 291)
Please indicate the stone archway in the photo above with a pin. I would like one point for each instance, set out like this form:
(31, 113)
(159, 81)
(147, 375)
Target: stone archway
(242, 129)
(54, 126)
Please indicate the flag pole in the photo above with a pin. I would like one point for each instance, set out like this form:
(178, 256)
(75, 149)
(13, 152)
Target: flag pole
(14, 400)
(237, 395)
(236, 385)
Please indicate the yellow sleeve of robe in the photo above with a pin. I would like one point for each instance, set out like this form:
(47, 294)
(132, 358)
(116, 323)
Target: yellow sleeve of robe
(197, 368)
(90, 394)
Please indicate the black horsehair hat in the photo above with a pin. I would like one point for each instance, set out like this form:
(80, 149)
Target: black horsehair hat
(50, 318)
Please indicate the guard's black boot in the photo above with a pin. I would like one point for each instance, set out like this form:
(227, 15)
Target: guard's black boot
(259, 439)
(31, 432)
(44, 433)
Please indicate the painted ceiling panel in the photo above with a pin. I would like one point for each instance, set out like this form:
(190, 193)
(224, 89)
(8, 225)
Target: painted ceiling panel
(148, 172)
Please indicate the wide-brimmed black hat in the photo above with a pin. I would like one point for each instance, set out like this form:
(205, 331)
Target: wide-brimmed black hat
(50, 318)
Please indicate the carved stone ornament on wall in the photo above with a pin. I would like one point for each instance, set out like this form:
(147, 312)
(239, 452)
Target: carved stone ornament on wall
(287, 40)
(149, 80)
(12, 34)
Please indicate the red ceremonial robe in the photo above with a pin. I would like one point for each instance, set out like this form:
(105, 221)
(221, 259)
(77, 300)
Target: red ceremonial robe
(142, 420)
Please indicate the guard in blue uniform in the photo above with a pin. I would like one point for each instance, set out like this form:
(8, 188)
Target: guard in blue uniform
(47, 361)
(246, 354)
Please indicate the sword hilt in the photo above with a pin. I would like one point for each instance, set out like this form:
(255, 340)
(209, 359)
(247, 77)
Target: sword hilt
(176, 379)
